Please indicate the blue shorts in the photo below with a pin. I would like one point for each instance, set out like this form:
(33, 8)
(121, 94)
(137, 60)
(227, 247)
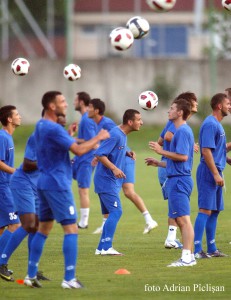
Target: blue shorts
(58, 205)
(82, 173)
(162, 176)
(7, 208)
(210, 195)
(26, 200)
(109, 203)
(179, 191)
(129, 171)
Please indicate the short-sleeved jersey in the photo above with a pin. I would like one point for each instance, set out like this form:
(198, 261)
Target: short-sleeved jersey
(212, 136)
(182, 143)
(169, 127)
(6, 154)
(106, 123)
(114, 149)
(52, 146)
(87, 130)
(20, 178)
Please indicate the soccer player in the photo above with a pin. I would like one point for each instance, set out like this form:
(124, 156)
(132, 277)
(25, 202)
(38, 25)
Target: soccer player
(82, 168)
(23, 185)
(54, 187)
(210, 181)
(111, 155)
(10, 120)
(164, 140)
(96, 112)
(178, 167)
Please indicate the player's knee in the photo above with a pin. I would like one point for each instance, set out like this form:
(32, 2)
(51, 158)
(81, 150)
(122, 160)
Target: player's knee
(30, 227)
(128, 193)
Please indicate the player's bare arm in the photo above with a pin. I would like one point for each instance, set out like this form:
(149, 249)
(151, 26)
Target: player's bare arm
(106, 162)
(207, 154)
(88, 145)
(196, 148)
(160, 141)
(73, 128)
(172, 155)
(5, 168)
(228, 146)
(168, 136)
(151, 161)
(29, 165)
(131, 154)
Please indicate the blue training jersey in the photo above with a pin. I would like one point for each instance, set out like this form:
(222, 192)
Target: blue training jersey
(108, 124)
(105, 123)
(6, 155)
(166, 145)
(20, 179)
(212, 135)
(52, 146)
(87, 130)
(182, 143)
(115, 150)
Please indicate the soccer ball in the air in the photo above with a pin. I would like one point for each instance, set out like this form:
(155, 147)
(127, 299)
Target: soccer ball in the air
(226, 4)
(161, 5)
(148, 100)
(72, 72)
(20, 66)
(121, 38)
(138, 26)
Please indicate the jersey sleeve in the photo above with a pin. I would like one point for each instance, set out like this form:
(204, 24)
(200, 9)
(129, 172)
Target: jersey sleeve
(30, 151)
(106, 147)
(61, 137)
(207, 136)
(182, 142)
(3, 146)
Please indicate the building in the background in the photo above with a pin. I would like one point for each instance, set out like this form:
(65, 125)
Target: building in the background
(80, 28)
(181, 32)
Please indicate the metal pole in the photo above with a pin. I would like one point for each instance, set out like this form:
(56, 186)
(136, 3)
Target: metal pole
(34, 25)
(5, 29)
(50, 21)
(198, 15)
(212, 51)
(69, 31)
(17, 30)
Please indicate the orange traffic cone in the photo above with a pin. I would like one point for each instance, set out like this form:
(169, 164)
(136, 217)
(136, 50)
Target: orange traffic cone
(122, 272)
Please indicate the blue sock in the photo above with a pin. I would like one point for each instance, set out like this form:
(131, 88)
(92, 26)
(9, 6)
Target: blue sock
(29, 241)
(5, 237)
(36, 252)
(16, 238)
(110, 227)
(199, 228)
(70, 252)
(211, 227)
(102, 239)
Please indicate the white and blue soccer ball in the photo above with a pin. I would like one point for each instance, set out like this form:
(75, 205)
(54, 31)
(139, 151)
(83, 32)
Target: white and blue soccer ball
(226, 4)
(20, 66)
(161, 5)
(138, 26)
(121, 38)
(148, 100)
(72, 72)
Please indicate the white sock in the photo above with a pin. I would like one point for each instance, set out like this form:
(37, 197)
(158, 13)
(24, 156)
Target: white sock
(171, 233)
(147, 217)
(84, 216)
(186, 255)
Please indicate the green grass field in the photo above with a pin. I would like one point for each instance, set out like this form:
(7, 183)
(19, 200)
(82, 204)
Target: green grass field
(145, 256)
